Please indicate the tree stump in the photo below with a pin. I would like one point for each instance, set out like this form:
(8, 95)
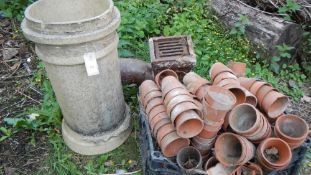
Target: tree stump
(266, 31)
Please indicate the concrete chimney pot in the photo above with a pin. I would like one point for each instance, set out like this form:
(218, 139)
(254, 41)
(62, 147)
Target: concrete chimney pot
(66, 32)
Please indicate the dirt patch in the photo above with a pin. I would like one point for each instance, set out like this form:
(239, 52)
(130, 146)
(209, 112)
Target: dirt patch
(272, 154)
(19, 156)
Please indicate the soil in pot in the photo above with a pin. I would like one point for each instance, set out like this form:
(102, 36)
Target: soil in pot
(272, 154)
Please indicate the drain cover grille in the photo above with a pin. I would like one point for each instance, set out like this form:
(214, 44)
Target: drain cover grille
(171, 47)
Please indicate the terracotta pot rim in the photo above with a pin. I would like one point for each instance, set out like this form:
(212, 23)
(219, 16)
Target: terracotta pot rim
(302, 122)
(158, 125)
(262, 147)
(255, 125)
(255, 87)
(165, 130)
(152, 104)
(182, 107)
(150, 96)
(182, 122)
(217, 103)
(224, 75)
(171, 103)
(209, 161)
(161, 109)
(166, 72)
(146, 87)
(246, 82)
(158, 118)
(262, 96)
(227, 81)
(220, 68)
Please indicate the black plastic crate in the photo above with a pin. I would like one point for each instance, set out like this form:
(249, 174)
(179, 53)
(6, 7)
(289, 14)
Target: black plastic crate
(154, 163)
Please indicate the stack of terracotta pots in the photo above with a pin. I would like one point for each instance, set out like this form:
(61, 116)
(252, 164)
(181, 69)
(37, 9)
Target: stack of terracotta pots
(247, 121)
(272, 102)
(160, 123)
(184, 113)
(232, 149)
(273, 154)
(244, 107)
(222, 76)
(292, 129)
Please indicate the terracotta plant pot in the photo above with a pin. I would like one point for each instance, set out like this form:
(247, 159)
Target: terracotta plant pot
(212, 161)
(292, 129)
(238, 93)
(218, 68)
(171, 103)
(182, 107)
(193, 82)
(256, 86)
(158, 118)
(220, 98)
(172, 143)
(164, 73)
(188, 124)
(169, 83)
(146, 87)
(262, 92)
(274, 104)
(238, 68)
(273, 154)
(244, 119)
(211, 114)
(158, 125)
(255, 167)
(150, 96)
(175, 92)
(250, 98)
(223, 76)
(155, 111)
(233, 150)
(246, 82)
(186, 154)
(153, 103)
(165, 130)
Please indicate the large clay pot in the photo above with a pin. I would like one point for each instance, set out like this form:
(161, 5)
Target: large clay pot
(274, 104)
(292, 129)
(188, 124)
(238, 92)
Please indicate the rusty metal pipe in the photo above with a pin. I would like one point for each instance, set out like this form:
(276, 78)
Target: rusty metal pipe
(135, 71)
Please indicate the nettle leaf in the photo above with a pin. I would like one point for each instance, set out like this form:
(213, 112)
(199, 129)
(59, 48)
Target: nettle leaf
(275, 59)
(275, 67)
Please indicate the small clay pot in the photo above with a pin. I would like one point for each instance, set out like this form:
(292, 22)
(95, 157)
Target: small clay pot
(193, 82)
(146, 87)
(284, 154)
(155, 111)
(186, 154)
(292, 129)
(150, 96)
(153, 103)
(182, 107)
(164, 130)
(238, 68)
(211, 114)
(172, 143)
(203, 145)
(223, 76)
(164, 73)
(188, 124)
(169, 83)
(254, 167)
(158, 118)
(246, 82)
(218, 68)
(256, 86)
(274, 104)
(159, 124)
(171, 103)
(238, 93)
(233, 150)
(175, 92)
(244, 119)
(250, 98)
(220, 98)
(212, 161)
(262, 92)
